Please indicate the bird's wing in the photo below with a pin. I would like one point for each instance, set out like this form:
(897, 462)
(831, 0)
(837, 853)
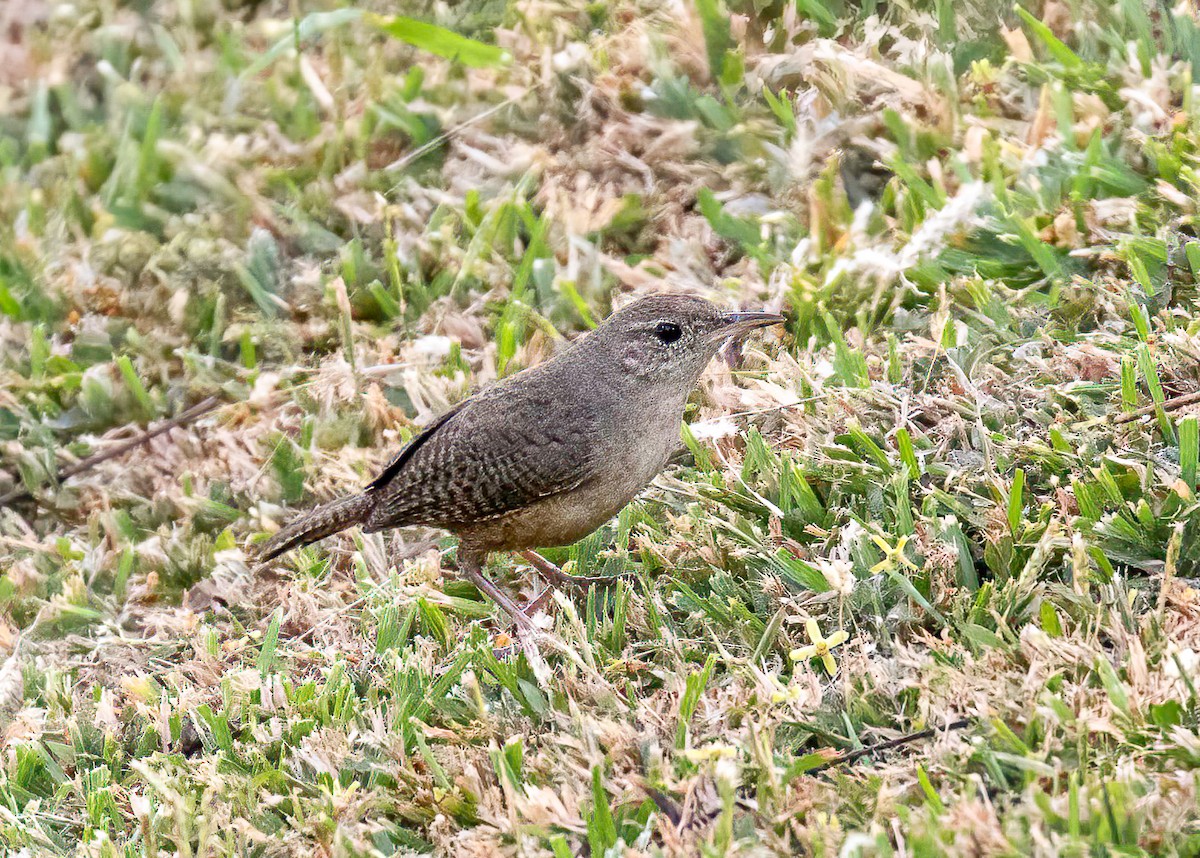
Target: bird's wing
(393, 467)
(487, 457)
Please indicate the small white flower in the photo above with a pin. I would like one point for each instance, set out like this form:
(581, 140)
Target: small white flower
(433, 345)
(839, 574)
(708, 430)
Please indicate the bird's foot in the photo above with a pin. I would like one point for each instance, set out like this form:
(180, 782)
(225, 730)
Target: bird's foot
(526, 638)
(536, 605)
(526, 631)
(527, 642)
(559, 578)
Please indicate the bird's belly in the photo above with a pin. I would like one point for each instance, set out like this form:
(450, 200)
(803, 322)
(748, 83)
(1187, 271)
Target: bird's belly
(569, 516)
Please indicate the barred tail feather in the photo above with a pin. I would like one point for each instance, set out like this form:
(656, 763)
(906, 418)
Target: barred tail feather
(323, 521)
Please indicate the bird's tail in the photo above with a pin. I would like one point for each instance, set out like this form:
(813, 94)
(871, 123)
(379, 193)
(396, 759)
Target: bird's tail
(323, 521)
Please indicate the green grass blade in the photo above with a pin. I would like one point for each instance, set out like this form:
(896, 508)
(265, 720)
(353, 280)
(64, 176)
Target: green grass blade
(442, 42)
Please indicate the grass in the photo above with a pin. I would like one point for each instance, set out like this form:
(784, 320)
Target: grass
(967, 451)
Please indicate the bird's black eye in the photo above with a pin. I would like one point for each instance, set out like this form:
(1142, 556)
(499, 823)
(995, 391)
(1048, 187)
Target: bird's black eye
(667, 332)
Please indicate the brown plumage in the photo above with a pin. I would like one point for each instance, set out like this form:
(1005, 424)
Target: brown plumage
(545, 457)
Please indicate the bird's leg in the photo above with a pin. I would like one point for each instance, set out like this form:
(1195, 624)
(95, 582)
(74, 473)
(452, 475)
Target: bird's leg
(559, 578)
(539, 602)
(470, 567)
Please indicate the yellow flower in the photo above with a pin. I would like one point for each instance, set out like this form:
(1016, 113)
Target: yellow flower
(820, 646)
(781, 692)
(893, 556)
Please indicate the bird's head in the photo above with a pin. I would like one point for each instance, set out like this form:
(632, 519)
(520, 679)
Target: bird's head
(671, 338)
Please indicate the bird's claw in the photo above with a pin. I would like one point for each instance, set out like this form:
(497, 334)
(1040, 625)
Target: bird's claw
(559, 578)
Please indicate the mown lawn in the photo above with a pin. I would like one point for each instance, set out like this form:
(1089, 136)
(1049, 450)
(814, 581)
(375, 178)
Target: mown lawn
(974, 449)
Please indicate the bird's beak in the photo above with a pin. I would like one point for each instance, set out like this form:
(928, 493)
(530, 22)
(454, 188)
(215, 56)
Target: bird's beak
(742, 322)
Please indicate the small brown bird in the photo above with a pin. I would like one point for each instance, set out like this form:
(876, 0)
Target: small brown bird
(547, 456)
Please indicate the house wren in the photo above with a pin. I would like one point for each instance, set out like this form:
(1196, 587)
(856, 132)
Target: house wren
(548, 455)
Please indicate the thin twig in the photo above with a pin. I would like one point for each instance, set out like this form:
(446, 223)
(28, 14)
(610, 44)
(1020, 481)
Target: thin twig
(754, 412)
(907, 738)
(407, 159)
(197, 410)
(1170, 405)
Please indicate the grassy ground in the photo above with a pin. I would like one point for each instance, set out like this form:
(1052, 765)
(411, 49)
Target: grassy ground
(971, 450)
